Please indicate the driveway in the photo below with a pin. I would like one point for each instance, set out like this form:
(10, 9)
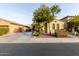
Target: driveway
(26, 37)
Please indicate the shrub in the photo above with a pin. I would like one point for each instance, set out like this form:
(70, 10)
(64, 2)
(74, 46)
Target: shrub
(37, 30)
(4, 31)
(35, 34)
(61, 33)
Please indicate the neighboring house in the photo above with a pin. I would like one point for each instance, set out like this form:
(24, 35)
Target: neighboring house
(69, 27)
(66, 20)
(12, 25)
(54, 25)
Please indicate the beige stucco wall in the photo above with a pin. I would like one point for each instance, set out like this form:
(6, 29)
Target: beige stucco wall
(12, 27)
(15, 27)
(50, 26)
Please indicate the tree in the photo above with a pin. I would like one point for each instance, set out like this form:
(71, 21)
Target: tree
(55, 9)
(44, 14)
(74, 23)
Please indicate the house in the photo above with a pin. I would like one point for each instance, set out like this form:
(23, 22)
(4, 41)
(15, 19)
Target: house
(66, 20)
(52, 26)
(70, 27)
(12, 26)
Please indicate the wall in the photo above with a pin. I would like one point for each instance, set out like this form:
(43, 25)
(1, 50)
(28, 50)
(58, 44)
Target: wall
(12, 27)
(50, 26)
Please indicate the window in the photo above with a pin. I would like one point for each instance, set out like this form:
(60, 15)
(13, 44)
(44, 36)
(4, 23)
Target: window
(53, 26)
(58, 26)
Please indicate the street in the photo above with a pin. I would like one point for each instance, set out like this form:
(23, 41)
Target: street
(37, 49)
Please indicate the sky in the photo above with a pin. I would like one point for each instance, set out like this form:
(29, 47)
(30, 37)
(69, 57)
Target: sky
(23, 12)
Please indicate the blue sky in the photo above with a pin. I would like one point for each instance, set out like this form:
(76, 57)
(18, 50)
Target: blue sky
(23, 12)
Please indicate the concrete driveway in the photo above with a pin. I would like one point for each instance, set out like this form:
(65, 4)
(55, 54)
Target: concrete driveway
(28, 38)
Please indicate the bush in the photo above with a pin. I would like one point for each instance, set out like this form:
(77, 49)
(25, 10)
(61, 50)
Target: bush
(4, 31)
(61, 33)
(35, 33)
(37, 30)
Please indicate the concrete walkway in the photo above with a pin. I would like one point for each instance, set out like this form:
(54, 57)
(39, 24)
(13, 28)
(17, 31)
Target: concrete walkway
(27, 38)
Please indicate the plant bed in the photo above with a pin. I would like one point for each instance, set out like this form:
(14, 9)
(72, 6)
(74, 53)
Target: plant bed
(61, 33)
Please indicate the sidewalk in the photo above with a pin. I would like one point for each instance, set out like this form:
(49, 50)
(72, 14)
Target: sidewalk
(24, 39)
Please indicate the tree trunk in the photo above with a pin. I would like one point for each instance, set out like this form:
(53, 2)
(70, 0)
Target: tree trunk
(45, 27)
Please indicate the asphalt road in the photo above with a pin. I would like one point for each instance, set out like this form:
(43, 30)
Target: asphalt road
(40, 49)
